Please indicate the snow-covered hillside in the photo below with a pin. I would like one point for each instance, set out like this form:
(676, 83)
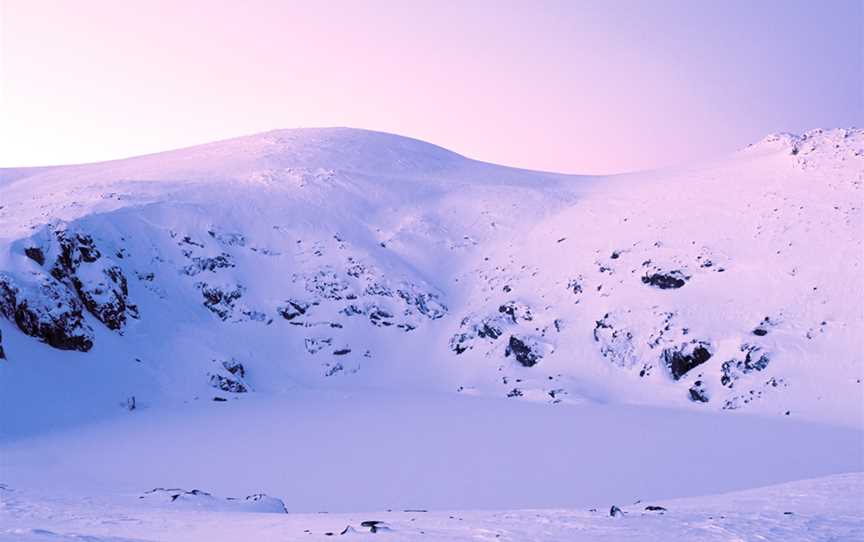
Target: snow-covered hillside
(265, 304)
(338, 257)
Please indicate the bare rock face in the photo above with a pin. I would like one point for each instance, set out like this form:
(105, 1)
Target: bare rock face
(99, 282)
(2, 353)
(47, 310)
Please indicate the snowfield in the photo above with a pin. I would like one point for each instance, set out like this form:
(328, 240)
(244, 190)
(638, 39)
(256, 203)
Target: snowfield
(334, 320)
(822, 509)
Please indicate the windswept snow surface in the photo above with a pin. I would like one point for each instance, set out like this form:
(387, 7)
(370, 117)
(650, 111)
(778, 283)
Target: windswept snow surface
(825, 509)
(349, 320)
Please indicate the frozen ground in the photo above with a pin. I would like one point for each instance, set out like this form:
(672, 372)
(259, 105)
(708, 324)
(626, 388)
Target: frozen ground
(373, 450)
(824, 509)
(346, 320)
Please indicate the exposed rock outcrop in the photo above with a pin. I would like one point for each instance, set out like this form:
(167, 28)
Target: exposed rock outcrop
(526, 350)
(681, 359)
(99, 282)
(47, 310)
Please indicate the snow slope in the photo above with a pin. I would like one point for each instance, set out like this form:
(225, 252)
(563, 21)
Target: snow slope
(430, 268)
(354, 320)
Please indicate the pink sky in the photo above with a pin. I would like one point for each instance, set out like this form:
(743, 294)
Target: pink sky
(575, 86)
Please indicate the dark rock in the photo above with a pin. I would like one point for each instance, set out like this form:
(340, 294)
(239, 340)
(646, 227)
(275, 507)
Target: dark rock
(293, 308)
(378, 289)
(2, 353)
(516, 311)
(228, 239)
(219, 399)
(35, 254)
(199, 265)
(234, 367)
(616, 512)
(575, 286)
(655, 508)
(760, 332)
(342, 352)
(219, 301)
(525, 353)
(665, 281)
(754, 361)
(685, 357)
(698, 393)
(100, 284)
(489, 330)
(327, 285)
(380, 317)
(316, 344)
(227, 384)
(107, 299)
(47, 311)
(75, 249)
(426, 303)
(374, 526)
(515, 392)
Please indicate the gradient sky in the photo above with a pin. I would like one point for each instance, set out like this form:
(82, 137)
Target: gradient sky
(574, 86)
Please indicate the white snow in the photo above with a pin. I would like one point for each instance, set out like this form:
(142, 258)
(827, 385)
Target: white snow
(416, 329)
(821, 509)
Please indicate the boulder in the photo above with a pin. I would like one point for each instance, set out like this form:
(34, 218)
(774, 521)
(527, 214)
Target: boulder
(526, 351)
(681, 359)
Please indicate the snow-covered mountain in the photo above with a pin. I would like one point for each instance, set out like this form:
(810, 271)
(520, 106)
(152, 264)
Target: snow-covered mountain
(349, 320)
(341, 257)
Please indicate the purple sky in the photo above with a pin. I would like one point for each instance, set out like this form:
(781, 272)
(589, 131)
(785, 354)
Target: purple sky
(575, 86)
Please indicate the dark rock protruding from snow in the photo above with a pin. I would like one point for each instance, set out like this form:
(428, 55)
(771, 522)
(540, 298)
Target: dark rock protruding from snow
(220, 301)
(374, 526)
(666, 281)
(100, 283)
(234, 367)
(681, 359)
(293, 308)
(525, 352)
(516, 311)
(36, 254)
(46, 310)
(698, 393)
(426, 303)
(2, 353)
(227, 384)
(754, 360)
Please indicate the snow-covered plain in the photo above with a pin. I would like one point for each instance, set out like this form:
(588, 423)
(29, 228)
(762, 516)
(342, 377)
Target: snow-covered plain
(349, 320)
(826, 509)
